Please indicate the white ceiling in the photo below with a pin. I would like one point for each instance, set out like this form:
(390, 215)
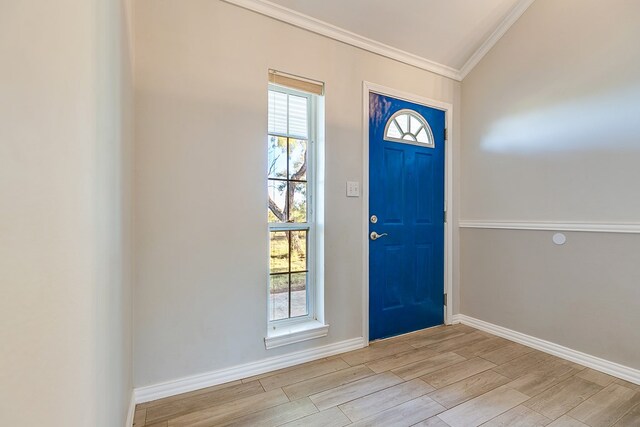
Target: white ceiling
(451, 33)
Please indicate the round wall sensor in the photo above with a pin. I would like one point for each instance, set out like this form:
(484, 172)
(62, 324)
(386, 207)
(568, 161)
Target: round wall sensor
(559, 239)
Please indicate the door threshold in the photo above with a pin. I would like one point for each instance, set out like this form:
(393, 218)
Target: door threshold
(408, 333)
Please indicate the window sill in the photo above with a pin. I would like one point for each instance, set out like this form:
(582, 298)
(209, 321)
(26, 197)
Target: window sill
(296, 333)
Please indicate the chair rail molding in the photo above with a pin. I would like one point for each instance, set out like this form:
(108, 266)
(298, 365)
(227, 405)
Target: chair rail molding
(589, 227)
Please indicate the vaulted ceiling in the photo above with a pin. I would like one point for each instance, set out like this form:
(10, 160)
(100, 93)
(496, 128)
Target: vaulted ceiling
(445, 36)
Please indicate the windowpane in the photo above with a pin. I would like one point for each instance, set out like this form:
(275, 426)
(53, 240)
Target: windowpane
(277, 112)
(279, 297)
(298, 159)
(279, 252)
(408, 125)
(289, 169)
(298, 294)
(394, 131)
(271, 217)
(277, 157)
(298, 116)
(299, 250)
(403, 122)
(277, 198)
(422, 136)
(298, 202)
(415, 124)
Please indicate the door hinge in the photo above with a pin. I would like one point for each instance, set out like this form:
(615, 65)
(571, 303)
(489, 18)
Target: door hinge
(445, 300)
(446, 134)
(445, 216)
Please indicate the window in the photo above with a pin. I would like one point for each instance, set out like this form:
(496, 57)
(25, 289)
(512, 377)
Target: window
(290, 213)
(408, 126)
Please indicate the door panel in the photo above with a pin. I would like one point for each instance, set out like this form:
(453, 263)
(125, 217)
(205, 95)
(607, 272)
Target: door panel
(424, 253)
(393, 170)
(393, 278)
(406, 264)
(423, 194)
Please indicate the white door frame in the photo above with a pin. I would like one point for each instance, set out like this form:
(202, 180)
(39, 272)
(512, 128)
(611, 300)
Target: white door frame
(368, 87)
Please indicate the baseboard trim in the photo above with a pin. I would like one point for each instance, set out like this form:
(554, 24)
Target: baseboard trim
(593, 362)
(132, 410)
(195, 382)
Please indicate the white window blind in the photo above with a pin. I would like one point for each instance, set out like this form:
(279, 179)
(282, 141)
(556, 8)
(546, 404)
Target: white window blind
(278, 112)
(288, 114)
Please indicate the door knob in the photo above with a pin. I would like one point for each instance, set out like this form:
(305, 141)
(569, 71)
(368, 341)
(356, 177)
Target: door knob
(376, 236)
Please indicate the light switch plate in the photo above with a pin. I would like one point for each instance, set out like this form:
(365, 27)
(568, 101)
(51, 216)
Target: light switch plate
(353, 189)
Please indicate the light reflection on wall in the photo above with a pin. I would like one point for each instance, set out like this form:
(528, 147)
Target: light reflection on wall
(609, 120)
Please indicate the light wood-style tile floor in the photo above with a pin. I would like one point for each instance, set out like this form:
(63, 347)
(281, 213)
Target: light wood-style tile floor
(452, 376)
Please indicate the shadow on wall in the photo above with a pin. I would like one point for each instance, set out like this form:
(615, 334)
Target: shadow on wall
(598, 122)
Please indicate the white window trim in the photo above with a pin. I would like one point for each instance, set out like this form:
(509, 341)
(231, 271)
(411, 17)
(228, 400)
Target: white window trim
(288, 331)
(294, 333)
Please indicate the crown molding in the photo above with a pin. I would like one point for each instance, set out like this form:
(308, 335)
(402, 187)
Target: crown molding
(516, 12)
(314, 25)
(300, 20)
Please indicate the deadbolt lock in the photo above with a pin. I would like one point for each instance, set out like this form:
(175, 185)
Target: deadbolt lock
(374, 219)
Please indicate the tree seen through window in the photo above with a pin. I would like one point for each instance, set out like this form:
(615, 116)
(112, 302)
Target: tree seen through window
(288, 205)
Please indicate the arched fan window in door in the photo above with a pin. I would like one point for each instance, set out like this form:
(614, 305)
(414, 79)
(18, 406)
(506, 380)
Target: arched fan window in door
(409, 127)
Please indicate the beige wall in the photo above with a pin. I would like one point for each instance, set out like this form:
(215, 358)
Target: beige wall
(65, 311)
(583, 295)
(551, 132)
(201, 236)
(550, 115)
(114, 161)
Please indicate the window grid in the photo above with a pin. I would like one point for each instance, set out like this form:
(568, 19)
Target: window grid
(399, 129)
(288, 180)
(291, 271)
(288, 225)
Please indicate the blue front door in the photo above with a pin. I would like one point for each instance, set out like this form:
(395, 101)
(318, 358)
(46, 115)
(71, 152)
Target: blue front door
(406, 216)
